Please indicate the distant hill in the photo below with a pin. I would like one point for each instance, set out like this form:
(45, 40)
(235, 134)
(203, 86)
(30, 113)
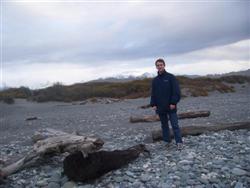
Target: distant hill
(238, 73)
(199, 86)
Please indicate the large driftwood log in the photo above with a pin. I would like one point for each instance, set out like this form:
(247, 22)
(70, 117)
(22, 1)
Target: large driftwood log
(80, 168)
(197, 130)
(62, 142)
(185, 115)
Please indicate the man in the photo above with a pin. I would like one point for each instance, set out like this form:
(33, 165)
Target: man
(165, 94)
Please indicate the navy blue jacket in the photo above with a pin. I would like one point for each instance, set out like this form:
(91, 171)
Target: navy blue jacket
(165, 90)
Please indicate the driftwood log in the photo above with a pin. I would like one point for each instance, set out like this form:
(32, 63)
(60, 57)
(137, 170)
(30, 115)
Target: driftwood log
(145, 106)
(59, 143)
(79, 168)
(185, 115)
(197, 130)
(31, 118)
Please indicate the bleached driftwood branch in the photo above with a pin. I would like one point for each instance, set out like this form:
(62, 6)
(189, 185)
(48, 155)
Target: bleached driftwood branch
(59, 142)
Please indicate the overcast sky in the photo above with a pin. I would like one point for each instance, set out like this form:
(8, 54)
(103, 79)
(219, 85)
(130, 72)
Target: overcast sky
(44, 42)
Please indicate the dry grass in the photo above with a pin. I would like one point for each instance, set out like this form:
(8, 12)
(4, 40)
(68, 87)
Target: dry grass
(133, 89)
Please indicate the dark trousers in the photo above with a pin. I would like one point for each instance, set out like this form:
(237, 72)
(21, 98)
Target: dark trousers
(172, 116)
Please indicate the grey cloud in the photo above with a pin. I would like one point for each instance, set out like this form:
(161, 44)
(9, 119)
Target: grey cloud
(143, 31)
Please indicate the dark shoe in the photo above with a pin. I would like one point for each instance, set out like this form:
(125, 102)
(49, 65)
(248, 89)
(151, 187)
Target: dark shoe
(179, 146)
(167, 144)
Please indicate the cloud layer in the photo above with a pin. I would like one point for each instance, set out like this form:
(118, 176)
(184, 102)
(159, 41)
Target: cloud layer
(87, 35)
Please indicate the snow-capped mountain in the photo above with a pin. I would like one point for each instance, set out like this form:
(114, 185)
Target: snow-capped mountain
(124, 77)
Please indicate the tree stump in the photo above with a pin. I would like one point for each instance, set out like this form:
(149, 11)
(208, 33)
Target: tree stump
(80, 168)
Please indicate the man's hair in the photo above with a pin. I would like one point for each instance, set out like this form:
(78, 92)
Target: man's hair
(160, 61)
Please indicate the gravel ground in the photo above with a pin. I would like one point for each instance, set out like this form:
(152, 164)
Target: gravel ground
(209, 160)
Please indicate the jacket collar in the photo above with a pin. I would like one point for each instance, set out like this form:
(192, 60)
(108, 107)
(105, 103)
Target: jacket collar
(163, 73)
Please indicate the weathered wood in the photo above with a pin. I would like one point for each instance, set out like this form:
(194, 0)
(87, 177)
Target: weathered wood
(197, 130)
(55, 145)
(185, 115)
(145, 106)
(80, 168)
(49, 132)
(145, 118)
(31, 118)
(194, 114)
(18, 165)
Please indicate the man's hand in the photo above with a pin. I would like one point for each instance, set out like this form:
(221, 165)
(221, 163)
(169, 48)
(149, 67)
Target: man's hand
(172, 106)
(154, 107)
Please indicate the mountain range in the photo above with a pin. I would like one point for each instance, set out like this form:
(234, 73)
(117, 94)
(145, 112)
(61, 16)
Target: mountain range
(125, 78)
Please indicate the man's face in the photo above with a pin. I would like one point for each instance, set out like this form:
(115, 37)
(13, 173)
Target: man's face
(160, 66)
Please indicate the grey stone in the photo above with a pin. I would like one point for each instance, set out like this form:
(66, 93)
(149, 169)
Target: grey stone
(204, 181)
(128, 178)
(21, 182)
(225, 168)
(118, 179)
(137, 184)
(186, 167)
(64, 179)
(217, 166)
(199, 186)
(191, 182)
(54, 185)
(85, 186)
(204, 154)
(214, 180)
(204, 170)
(215, 185)
(69, 184)
(208, 186)
(177, 183)
(164, 185)
(239, 185)
(145, 178)
(47, 169)
(129, 173)
(239, 172)
(185, 162)
(117, 172)
(42, 183)
(218, 161)
(55, 177)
